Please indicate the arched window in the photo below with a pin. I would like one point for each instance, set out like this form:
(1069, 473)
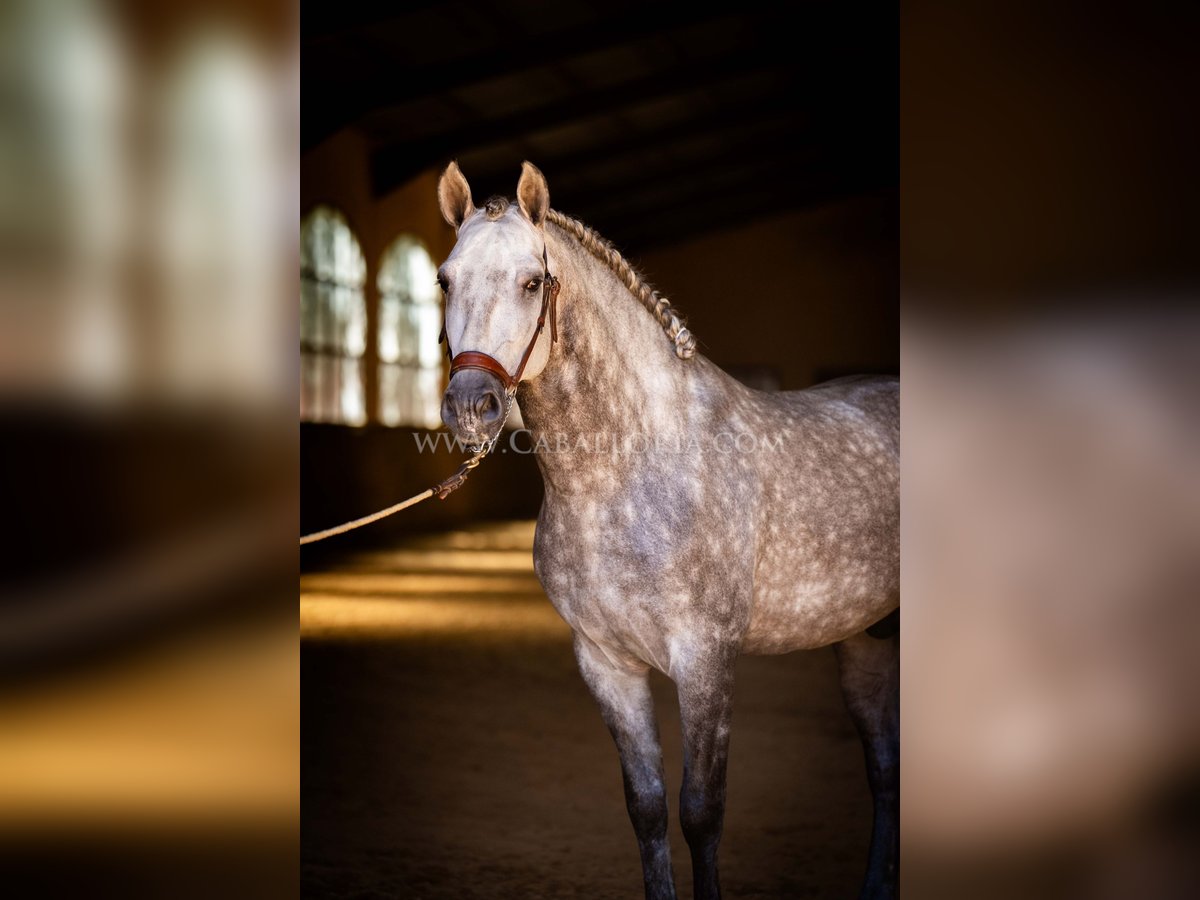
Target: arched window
(410, 318)
(333, 320)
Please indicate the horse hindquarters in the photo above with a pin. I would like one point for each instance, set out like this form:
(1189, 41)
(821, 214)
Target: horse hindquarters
(870, 676)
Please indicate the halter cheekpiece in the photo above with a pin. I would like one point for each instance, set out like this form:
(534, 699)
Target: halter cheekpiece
(476, 359)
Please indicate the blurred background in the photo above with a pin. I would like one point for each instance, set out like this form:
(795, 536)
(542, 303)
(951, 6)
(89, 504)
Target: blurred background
(149, 708)
(1050, 477)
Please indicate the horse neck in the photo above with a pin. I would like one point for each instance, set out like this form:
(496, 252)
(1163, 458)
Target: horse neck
(612, 373)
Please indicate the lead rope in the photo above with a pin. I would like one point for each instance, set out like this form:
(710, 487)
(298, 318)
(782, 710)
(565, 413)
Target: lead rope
(443, 489)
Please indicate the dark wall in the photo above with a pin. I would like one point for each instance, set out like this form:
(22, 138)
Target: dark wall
(811, 294)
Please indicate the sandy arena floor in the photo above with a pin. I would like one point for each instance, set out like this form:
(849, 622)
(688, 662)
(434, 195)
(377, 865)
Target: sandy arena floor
(450, 749)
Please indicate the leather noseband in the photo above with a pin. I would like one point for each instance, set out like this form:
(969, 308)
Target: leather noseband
(476, 359)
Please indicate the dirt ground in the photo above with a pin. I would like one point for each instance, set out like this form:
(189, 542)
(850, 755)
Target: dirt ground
(450, 749)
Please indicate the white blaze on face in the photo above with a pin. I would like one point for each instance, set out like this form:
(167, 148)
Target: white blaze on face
(489, 307)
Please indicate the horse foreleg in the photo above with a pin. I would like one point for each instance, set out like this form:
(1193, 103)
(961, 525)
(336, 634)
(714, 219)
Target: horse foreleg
(623, 693)
(705, 708)
(870, 674)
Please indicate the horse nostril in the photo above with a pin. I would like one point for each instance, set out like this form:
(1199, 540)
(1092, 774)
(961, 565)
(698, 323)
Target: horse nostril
(488, 407)
(449, 416)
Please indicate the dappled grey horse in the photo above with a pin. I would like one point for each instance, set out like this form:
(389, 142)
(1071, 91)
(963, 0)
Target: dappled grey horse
(687, 518)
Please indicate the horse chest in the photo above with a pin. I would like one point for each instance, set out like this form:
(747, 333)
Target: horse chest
(598, 569)
(632, 583)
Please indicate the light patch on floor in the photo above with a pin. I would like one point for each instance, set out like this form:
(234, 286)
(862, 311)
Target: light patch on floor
(423, 584)
(456, 583)
(326, 616)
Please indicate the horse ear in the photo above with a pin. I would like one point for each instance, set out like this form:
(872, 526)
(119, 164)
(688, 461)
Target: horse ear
(533, 194)
(454, 196)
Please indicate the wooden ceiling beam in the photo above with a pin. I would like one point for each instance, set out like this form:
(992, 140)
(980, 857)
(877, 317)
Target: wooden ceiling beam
(481, 66)
(395, 164)
(780, 102)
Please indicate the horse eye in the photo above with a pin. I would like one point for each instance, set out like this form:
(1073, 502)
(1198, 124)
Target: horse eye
(534, 284)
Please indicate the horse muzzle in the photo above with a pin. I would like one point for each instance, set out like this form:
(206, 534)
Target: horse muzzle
(473, 406)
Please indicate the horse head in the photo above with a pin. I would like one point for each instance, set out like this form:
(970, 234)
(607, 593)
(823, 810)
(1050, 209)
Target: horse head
(498, 292)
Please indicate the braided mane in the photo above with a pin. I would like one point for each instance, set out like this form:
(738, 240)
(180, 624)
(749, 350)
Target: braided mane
(659, 306)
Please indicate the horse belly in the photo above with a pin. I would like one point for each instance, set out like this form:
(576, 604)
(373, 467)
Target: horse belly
(806, 615)
(822, 581)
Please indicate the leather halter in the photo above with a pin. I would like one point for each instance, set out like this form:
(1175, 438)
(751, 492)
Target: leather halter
(477, 359)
